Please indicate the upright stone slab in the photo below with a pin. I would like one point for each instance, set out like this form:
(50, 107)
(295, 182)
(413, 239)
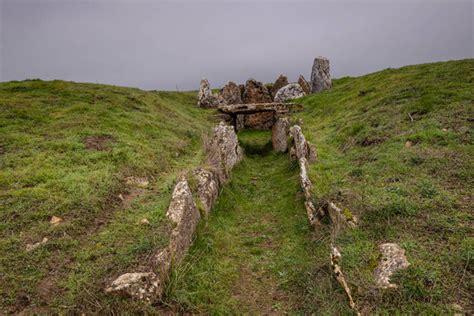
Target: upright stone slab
(230, 93)
(256, 92)
(206, 99)
(280, 134)
(304, 84)
(279, 83)
(320, 75)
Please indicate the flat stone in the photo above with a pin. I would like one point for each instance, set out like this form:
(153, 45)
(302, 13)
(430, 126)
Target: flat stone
(393, 259)
(139, 285)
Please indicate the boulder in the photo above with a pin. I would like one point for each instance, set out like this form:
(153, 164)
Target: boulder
(279, 83)
(393, 259)
(289, 92)
(230, 93)
(304, 84)
(207, 99)
(280, 134)
(320, 75)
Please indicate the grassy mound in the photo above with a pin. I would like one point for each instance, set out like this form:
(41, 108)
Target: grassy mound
(396, 149)
(67, 150)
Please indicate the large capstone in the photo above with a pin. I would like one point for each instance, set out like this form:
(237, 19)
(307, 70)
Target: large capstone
(289, 92)
(230, 93)
(207, 99)
(320, 75)
(279, 83)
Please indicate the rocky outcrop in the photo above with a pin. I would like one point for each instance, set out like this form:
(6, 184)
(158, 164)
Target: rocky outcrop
(289, 92)
(207, 99)
(280, 134)
(320, 75)
(393, 259)
(279, 83)
(304, 84)
(230, 93)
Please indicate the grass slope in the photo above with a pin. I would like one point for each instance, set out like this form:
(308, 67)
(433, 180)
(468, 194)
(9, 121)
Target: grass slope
(66, 150)
(396, 149)
(255, 254)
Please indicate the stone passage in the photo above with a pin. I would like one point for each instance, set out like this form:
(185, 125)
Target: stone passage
(223, 152)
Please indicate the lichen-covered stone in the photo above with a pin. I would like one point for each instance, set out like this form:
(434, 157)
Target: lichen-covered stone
(139, 285)
(184, 215)
(304, 84)
(207, 99)
(289, 92)
(279, 83)
(223, 151)
(207, 188)
(336, 259)
(230, 93)
(393, 259)
(280, 134)
(339, 218)
(320, 75)
(301, 146)
(256, 92)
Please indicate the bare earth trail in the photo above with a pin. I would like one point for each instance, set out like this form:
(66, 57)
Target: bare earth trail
(255, 254)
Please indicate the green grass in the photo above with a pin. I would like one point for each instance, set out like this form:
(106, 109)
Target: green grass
(255, 254)
(46, 169)
(418, 196)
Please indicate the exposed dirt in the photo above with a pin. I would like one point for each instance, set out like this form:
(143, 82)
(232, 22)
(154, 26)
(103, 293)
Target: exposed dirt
(98, 142)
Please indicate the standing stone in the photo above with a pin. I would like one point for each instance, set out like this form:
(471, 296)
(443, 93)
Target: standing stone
(230, 93)
(304, 84)
(206, 99)
(239, 122)
(280, 134)
(320, 75)
(289, 92)
(256, 92)
(279, 83)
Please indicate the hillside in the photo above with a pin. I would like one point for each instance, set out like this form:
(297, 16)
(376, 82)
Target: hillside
(395, 148)
(84, 153)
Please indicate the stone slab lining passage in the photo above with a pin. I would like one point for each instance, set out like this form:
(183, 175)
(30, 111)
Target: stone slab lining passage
(252, 108)
(222, 153)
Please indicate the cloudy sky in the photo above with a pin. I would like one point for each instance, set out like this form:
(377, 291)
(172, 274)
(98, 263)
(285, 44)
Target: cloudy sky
(172, 44)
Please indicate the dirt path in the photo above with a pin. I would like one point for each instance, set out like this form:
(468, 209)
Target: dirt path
(254, 254)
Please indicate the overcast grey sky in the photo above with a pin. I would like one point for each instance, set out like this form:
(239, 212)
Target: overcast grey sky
(161, 45)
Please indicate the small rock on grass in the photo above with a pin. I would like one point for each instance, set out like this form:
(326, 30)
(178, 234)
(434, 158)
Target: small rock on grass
(408, 144)
(144, 221)
(31, 247)
(55, 220)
